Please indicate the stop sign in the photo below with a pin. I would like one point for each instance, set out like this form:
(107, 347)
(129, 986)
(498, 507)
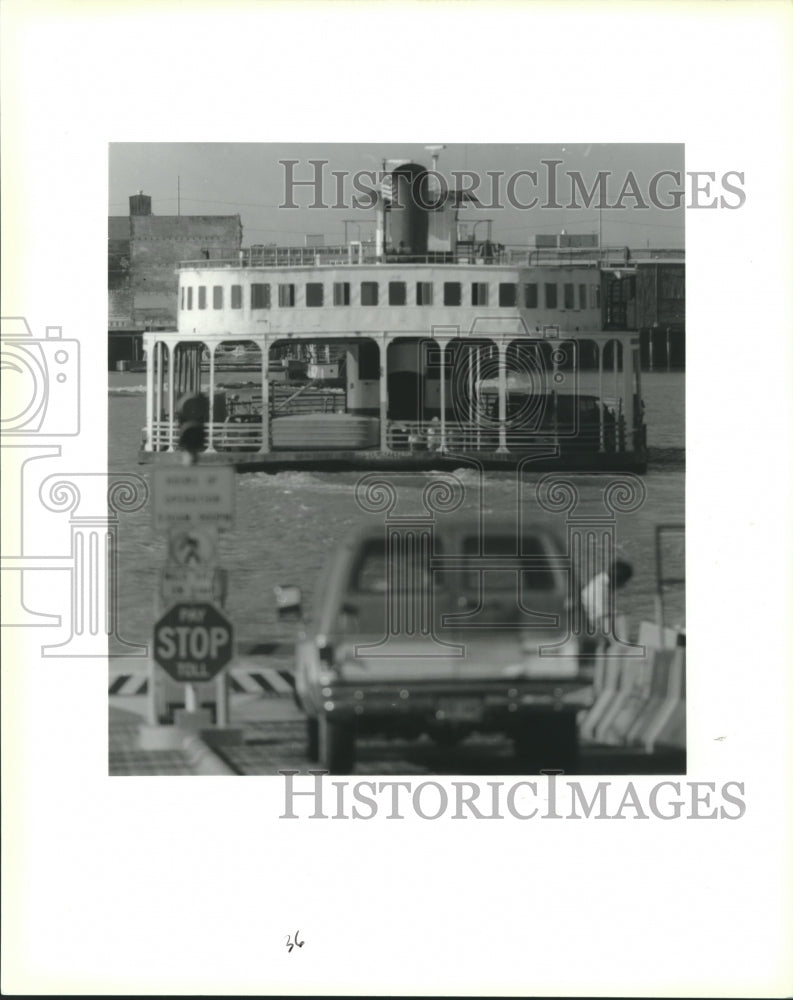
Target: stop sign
(193, 642)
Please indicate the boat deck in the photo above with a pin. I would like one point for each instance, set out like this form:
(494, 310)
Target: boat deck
(543, 458)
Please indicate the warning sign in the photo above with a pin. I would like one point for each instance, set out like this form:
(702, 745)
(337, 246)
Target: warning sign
(192, 547)
(193, 583)
(195, 495)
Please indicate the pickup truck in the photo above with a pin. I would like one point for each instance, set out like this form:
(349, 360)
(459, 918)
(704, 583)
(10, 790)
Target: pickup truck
(444, 631)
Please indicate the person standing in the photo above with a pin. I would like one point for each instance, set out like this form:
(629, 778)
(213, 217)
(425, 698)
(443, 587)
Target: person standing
(597, 596)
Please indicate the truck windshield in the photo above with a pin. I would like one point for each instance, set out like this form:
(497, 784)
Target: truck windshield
(407, 567)
(521, 558)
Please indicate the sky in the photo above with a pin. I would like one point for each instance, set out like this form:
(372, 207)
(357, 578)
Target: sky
(250, 179)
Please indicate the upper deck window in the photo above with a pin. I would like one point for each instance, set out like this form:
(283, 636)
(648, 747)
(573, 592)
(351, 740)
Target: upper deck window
(452, 293)
(368, 293)
(260, 296)
(236, 296)
(569, 295)
(531, 295)
(507, 294)
(397, 293)
(550, 295)
(286, 296)
(423, 293)
(202, 297)
(189, 298)
(315, 293)
(217, 296)
(341, 293)
(479, 295)
(582, 296)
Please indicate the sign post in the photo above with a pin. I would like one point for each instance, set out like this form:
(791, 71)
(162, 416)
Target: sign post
(193, 639)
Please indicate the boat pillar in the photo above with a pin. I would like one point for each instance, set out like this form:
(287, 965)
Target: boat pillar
(265, 350)
(158, 355)
(210, 448)
(502, 398)
(149, 350)
(172, 350)
(630, 362)
(601, 415)
(442, 345)
(443, 342)
(383, 393)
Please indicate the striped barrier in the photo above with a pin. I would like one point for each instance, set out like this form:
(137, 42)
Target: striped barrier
(127, 685)
(607, 673)
(632, 695)
(245, 678)
(632, 678)
(656, 697)
(640, 701)
(662, 724)
(261, 680)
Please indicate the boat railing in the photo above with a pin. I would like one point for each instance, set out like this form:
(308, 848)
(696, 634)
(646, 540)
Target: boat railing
(245, 434)
(423, 435)
(230, 435)
(308, 398)
(613, 257)
(288, 400)
(345, 255)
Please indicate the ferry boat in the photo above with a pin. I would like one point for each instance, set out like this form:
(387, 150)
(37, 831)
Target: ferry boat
(424, 350)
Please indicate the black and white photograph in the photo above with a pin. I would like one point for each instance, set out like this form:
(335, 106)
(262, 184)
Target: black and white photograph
(412, 421)
(396, 415)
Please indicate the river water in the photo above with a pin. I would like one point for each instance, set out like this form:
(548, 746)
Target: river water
(287, 522)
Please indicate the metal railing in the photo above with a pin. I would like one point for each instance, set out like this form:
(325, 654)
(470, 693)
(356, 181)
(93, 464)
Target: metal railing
(352, 255)
(245, 434)
(415, 435)
(231, 435)
(613, 257)
(305, 399)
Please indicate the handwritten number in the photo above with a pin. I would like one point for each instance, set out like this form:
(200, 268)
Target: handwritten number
(290, 944)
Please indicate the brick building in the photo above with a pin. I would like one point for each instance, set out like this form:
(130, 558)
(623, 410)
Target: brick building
(143, 251)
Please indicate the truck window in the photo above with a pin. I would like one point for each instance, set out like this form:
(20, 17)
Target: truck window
(536, 577)
(373, 570)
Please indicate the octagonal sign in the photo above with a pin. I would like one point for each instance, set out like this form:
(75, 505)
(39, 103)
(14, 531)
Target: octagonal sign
(193, 642)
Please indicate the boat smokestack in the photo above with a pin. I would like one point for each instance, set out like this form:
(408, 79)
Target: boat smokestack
(409, 211)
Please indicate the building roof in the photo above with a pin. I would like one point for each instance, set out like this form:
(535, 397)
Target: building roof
(189, 218)
(119, 227)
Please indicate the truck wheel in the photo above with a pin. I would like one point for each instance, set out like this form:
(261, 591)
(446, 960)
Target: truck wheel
(312, 738)
(336, 746)
(548, 743)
